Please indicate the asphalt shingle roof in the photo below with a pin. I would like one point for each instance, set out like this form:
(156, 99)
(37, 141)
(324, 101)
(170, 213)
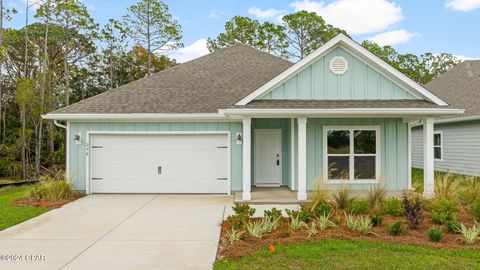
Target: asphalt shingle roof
(460, 87)
(204, 85)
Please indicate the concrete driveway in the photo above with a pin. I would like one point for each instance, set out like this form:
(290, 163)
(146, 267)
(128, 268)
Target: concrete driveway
(119, 232)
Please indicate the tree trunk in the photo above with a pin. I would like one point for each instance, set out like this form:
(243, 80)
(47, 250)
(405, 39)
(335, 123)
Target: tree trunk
(51, 142)
(66, 75)
(24, 142)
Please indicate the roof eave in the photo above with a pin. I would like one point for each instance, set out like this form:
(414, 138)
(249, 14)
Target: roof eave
(134, 116)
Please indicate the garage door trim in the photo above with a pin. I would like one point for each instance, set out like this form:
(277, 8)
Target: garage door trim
(90, 133)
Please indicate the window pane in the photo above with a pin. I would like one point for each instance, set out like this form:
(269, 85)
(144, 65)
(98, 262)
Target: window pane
(364, 142)
(364, 167)
(437, 139)
(338, 141)
(437, 152)
(338, 167)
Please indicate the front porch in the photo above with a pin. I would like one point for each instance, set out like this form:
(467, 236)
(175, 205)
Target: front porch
(269, 195)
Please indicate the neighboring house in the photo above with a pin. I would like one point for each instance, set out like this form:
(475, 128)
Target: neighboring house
(457, 137)
(240, 117)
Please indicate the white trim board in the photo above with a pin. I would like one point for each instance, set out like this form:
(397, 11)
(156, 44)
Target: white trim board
(88, 160)
(355, 48)
(136, 116)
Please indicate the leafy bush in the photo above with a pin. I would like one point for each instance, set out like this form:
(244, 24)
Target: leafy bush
(435, 234)
(302, 214)
(343, 197)
(243, 214)
(475, 207)
(274, 213)
(358, 207)
(51, 190)
(413, 210)
(393, 206)
(234, 235)
(243, 208)
(323, 209)
(376, 219)
(453, 225)
(469, 235)
(235, 222)
(396, 228)
(377, 196)
(443, 210)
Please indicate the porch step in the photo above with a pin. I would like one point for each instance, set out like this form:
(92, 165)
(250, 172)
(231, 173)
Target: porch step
(270, 196)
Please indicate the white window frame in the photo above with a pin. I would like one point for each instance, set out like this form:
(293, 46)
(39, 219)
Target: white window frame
(441, 145)
(352, 155)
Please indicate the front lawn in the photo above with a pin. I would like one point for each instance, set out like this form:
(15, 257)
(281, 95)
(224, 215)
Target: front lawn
(354, 254)
(11, 214)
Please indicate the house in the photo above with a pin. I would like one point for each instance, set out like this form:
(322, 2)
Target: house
(456, 137)
(240, 117)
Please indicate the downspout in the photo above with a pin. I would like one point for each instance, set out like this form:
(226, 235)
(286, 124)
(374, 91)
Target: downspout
(67, 150)
(59, 125)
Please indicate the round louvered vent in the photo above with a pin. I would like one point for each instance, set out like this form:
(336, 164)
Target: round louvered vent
(338, 65)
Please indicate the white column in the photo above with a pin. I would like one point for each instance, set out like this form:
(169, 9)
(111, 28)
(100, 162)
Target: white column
(302, 158)
(292, 152)
(247, 139)
(409, 153)
(428, 158)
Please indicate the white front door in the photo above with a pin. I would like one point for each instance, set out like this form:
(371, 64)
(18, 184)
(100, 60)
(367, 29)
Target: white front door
(268, 157)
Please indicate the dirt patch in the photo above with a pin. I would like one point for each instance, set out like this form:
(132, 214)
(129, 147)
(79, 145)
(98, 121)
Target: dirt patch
(51, 204)
(284, 235)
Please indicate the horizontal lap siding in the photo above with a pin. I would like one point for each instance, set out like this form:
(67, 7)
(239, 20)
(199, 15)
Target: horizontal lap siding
(393, 151)
(461, 148)
(77, 156)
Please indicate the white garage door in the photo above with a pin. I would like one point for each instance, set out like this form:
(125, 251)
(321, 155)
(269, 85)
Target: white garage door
(166, 163)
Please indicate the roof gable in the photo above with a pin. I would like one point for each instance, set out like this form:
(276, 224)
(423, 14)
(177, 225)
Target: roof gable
(367, 78)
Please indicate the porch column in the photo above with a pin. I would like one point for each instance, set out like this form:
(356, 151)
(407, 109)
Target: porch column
(246, 164)
(302, 158)
(428, 158)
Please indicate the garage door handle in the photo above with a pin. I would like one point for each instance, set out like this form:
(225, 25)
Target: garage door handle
(222, 178)
(97, 178)
(160, 170)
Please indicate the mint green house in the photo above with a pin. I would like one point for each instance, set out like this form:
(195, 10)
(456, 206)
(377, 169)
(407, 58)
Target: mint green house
(240, 118)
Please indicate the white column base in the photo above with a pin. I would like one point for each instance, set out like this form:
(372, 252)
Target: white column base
(246, 196)
(301, 196)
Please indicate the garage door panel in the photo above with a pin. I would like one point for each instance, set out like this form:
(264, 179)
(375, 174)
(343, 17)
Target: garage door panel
(194, 163)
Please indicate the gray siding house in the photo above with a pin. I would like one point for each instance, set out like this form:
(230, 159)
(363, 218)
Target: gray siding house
(456, 138)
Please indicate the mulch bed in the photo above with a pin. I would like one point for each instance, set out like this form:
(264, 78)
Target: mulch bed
(51, 204)
(284, 235)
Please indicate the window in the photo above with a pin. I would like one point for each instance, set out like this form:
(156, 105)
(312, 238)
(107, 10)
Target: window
(437, 145)
(351, 154)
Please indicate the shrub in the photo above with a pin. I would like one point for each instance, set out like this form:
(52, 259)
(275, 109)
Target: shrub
(358, 207)
(51, 190)
(376, 219)
(343, 197)
(243, 214)
(234, 235)
(376, 197)
(393, 206)
(447, 186)
(235, 222)
(471, 191)
(257, 228)
(475, 207)
(443, 210)
(413, 210)
(453, 225)
(243, 208)
(363, 225)
(396, 228)
(296, 223)
(274, 213)
(469, 235)
(351, 222)
(435, 234)
(302, 214)
(312, 229)
(322, 209)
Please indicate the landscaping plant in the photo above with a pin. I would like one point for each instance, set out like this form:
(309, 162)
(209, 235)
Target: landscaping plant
(243, 214)
(468, 235)
(448, 187)
(49, 189)
(377, 196)
(393, 207)
(351, 222)
(302, 214)
(376, 219)
(323, 222)
(364, 225)
(257, 228)
(452, 225)
(322, 209)
(443, 210)
(413, 210)
(234, 235)
(471, 192)
(396, 228)
(296, 223)
(343, 197)
(312, 229)
(358, 207)
(435, 234)
(475, 208)
(274, 213)
(235, 222)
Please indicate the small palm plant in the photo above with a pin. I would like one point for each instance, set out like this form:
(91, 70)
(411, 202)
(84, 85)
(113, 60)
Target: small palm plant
(234, 235)
(468, 235)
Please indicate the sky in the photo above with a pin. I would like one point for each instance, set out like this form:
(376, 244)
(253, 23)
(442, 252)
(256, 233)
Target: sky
(410, 26)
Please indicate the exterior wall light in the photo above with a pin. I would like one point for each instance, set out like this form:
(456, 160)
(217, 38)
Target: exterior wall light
(239, 138)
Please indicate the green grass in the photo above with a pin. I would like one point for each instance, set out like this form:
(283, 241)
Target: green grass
(417, 178)
(354, 254)
(14, 214)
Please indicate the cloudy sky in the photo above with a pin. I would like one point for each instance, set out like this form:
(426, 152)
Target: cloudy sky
(414, 26)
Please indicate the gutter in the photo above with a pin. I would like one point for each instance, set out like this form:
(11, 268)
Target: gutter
(136, 116)
(57, 124)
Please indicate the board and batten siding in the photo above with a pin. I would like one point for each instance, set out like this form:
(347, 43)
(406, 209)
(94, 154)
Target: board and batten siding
(393, 152)
(461, 147)
(77, 156)
(359, 82)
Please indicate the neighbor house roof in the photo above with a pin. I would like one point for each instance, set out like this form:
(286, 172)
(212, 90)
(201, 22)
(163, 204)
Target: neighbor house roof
(460, 87)
(204, 85)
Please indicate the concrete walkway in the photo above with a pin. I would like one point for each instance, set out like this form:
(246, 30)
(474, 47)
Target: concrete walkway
(120, 232)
